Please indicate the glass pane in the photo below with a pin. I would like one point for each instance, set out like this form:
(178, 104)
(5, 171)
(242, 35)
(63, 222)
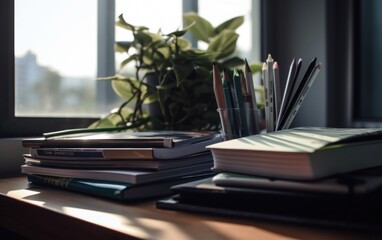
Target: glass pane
(56, 58)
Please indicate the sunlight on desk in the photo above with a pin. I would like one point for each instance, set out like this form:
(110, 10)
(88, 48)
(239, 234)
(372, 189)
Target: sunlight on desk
(106, 219)
(25, 193)
(158, 226)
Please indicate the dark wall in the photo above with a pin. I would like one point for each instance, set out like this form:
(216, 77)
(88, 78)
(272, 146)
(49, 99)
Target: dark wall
(308, 29)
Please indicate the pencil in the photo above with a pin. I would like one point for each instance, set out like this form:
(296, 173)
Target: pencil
(218, 87)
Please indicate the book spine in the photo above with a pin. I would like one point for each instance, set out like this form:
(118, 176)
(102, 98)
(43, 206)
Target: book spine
(96, 188)
(67, 153)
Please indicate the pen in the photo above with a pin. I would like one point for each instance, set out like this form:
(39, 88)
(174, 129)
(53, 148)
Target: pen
(230, 113)
(249, 84)
(238, 95)
(288, 89)
(294, 94)
(270, 78)
(266, 96)
(277, 88)
(227, 90)
(253, 120)
(306, 82)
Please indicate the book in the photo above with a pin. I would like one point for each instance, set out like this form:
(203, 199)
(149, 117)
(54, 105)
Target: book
(120, 175)
(113, 190)
(125, 153)
(151, 139)
(148, 164)
(300, 153)
(346, 211)
(358, 182)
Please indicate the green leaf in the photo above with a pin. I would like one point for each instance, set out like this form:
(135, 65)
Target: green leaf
(224, 43)
(202, 29)
(166, 87)
(127, 88)
(184, 44)
(150, 97)
(231, 24)
(114, 118)
(115, 77)
(155, 37)
(233, 62)
(182, 71)
(122, 46)
(123, 24)
(132, 57)
(202, 73)
(256, 67)
(143, 37)
(180, 33)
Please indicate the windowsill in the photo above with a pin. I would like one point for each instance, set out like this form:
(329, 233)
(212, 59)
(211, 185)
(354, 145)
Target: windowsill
(11, 156)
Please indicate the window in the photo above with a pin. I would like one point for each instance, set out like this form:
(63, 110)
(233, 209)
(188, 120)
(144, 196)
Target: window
(368, 46)
(53, 52)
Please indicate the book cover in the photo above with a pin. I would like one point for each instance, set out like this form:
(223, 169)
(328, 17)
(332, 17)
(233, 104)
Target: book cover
(111, 189)
(324, 210)
(300, 153)
(150, 139)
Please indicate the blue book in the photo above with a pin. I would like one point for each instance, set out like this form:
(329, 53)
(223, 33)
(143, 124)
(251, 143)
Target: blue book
(113, 190)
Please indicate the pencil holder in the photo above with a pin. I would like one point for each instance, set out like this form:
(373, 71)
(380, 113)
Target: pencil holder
(238, 122)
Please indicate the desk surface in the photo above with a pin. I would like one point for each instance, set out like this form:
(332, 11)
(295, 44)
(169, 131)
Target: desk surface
(47, 213)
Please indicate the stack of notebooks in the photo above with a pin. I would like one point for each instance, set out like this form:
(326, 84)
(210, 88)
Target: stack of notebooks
(311, 175)
(120, 165)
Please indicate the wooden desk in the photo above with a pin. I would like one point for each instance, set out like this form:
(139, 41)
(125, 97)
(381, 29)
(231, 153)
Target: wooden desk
(47, 213)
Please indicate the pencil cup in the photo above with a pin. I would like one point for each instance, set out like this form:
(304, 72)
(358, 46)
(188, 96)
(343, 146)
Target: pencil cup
(238, 123)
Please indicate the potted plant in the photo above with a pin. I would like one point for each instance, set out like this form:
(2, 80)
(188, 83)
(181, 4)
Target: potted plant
(172, 77)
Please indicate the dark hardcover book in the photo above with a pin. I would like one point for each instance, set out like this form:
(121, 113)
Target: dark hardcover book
(137, 164)
(113, 190)
(124, 153)
(149, 139)
(358, 182)
(361, 212)
(118, 175)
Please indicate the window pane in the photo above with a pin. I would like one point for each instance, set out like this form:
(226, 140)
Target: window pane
(56, 58)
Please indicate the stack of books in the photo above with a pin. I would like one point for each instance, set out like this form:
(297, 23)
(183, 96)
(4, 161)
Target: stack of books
(120, 165)
(313, 175)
